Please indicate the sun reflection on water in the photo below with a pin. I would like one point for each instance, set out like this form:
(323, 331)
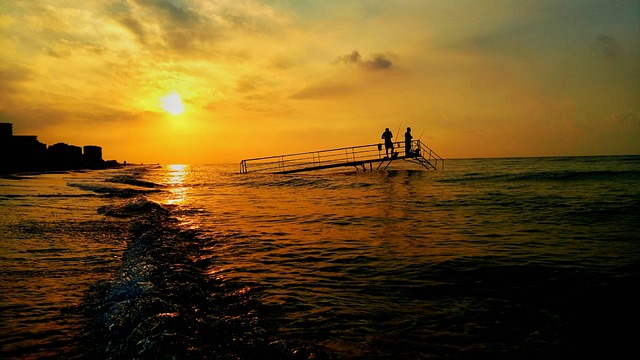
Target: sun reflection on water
(176, 175)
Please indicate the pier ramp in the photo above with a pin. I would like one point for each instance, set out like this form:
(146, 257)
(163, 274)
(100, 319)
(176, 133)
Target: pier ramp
(363, 157)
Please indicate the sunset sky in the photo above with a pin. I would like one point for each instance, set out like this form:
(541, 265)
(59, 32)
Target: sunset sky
(490, 78)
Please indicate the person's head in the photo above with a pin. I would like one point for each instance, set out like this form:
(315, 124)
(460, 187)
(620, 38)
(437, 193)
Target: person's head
(408, 129)
(387, 129)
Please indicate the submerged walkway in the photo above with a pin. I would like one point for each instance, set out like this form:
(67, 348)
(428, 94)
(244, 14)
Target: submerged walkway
(361, 157)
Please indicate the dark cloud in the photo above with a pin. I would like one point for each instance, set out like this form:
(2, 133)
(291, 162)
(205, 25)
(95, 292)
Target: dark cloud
(176, 12)
(375, 62)
(189, 28)
(180, 27)
(134, 26)
(379, 61)
(353, 58)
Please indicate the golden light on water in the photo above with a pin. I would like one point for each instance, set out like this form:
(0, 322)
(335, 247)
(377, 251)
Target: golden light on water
(178, 168)
(176, 175)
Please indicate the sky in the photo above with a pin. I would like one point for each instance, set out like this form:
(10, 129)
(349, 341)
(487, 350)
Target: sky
(473, 79)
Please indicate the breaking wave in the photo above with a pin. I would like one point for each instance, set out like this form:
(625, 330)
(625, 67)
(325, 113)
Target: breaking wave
(162, 303)
(131, 180)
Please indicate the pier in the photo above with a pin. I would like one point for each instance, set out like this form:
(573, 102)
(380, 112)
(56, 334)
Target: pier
(363, 157)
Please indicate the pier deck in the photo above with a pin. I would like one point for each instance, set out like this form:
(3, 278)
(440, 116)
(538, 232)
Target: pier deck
(360, 157)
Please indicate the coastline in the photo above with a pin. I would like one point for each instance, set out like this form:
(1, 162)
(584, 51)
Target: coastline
(17, 173)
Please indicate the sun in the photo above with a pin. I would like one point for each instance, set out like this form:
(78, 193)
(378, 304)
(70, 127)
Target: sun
(172, 104)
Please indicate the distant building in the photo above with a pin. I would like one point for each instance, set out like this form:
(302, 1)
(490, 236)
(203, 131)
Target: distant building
(6, 131)
(26, 153)
(22, 152)
(93, 156)
(63, 156)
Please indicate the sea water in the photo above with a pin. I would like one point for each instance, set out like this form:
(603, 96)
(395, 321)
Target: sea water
(527, 258)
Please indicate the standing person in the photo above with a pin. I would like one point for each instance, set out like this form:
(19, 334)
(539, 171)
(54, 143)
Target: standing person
(388, 143)
(407, 142)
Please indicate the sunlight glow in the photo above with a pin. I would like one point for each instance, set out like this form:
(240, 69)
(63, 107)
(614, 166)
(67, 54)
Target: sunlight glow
(200, 81)
(175, 178)
(172, 104)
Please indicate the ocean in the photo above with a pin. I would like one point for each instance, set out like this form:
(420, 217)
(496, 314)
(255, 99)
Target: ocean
(515, 258)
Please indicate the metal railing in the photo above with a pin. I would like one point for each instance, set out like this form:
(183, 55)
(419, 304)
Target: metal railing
(429, 155)
(346, 156)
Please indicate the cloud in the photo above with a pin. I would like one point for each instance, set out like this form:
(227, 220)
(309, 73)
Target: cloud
(353, 58)
(377, 61)
(323, 91)
(164, 25)
(14, 73)
(177, 12)
(12, 76)
(86, 62)
(198, 27)
(134, 26)
(64, 48)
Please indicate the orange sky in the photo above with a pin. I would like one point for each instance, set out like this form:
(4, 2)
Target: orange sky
(492, 78)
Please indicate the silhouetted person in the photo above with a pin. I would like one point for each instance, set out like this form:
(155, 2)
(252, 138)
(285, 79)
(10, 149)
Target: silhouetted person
(388, 143)
(407, 142)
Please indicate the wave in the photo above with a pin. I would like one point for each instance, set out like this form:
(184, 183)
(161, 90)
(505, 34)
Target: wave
(120, 192)
(270, 180)
(15, 177)
(131, 180)
(161, 303)
(562, 175)
(133, 207)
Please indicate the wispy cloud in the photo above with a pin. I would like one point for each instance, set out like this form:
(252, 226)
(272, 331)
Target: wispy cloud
(324, 91)
(11, 75)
